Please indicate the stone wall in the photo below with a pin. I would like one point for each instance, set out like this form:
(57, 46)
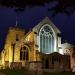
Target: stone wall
(56, 62)
(35, 65)
(16, 65)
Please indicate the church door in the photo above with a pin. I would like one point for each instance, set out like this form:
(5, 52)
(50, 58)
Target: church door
(47, 64)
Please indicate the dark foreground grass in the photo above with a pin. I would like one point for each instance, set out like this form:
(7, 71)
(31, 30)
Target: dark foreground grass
(15, 72)
(61, 73)
(24, 72)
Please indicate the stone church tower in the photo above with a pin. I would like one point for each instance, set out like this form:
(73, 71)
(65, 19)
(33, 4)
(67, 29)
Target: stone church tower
(11, 49)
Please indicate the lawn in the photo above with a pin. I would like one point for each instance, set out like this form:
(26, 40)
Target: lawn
(61, 73)
(24, 72)
(15, 72)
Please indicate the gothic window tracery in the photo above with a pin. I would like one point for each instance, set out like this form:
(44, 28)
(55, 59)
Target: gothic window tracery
(46, 40)
(24, 53)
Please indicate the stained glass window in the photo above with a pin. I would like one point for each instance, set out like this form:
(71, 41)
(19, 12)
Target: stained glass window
(46, 40)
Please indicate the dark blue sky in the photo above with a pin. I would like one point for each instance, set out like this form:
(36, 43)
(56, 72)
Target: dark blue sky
(32, 16)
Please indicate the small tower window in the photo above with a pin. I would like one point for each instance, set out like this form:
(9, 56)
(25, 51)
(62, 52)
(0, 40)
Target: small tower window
(17, 37)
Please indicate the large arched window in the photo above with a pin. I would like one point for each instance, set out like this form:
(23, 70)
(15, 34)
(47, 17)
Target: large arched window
(24, 53)
(46, 40)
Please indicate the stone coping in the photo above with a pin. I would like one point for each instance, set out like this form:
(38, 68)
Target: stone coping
(35, 62)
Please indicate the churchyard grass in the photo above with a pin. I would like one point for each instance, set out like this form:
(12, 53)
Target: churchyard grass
(24, 72)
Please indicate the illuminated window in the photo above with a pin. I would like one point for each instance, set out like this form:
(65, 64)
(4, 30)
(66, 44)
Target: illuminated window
(24, 53)
(46, 40)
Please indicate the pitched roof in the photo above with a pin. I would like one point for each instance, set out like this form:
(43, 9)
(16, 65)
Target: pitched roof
(46, 20)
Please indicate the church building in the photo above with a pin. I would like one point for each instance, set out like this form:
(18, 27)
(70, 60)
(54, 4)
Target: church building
(38, 49)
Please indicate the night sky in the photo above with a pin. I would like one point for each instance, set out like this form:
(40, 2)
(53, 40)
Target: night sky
(31, 17)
